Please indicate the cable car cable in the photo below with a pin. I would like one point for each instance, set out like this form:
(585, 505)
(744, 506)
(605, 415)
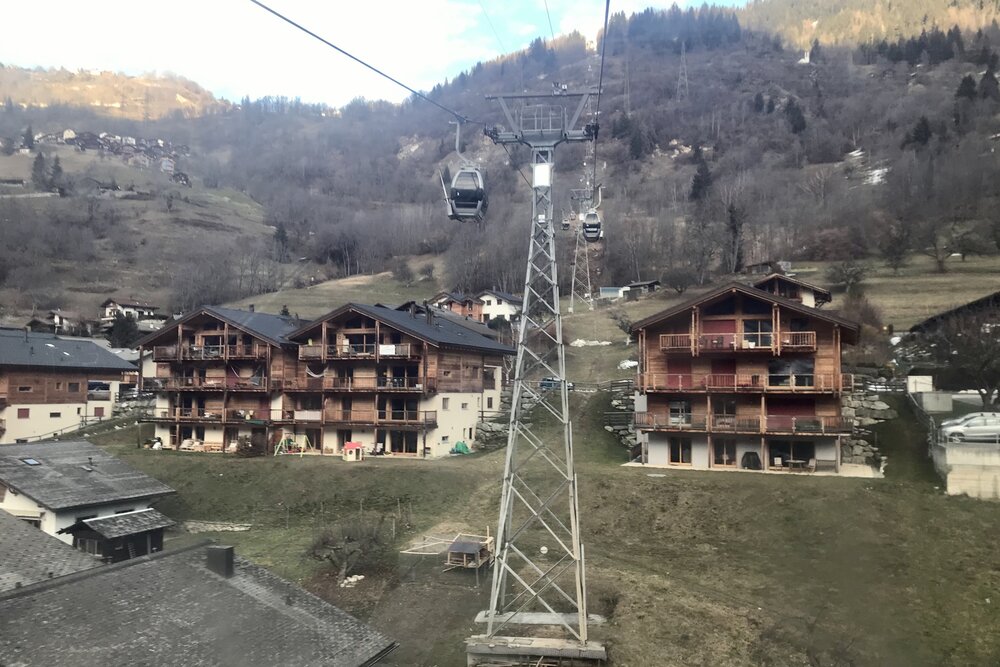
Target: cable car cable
(600, 80)
(549, 16)
(503, 49)
(460, 117)
(511, 159)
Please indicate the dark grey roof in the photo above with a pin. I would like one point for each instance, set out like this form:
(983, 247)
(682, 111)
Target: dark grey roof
(128, 523)
(18, 348)
(440, 331)
(985, 303)
(464, 320)
(506, 296)
(272, 328)
(170, 609)
(62, 479)
(28, 555)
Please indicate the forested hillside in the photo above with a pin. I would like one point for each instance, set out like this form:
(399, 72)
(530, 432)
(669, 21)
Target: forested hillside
(866, 153)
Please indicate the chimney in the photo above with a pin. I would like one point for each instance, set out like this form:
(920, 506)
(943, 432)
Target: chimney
(430, 314)
(413, 309)
(27, 329)
(219, 559)
(250, 308)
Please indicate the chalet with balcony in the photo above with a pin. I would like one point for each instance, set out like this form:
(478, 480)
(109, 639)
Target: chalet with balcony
(794, 289)
(213, 376)
(742, 378)
(400, 382)
(50, 385)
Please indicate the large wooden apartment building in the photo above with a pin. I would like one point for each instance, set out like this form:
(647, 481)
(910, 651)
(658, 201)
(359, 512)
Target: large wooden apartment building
(400, 382)
(743, 378)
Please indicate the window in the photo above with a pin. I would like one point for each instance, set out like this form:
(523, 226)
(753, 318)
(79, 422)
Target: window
(489, 402)
(724, 452)
(37, 523)
(30, 461)
(55, 415)
(24, 413)
(446, 374)
(24, 389)
(79, 411)
(465, 406)
(444, 439)
(680, 451)
(489, 302)
(59, 386)
(680, 413)
(756, 333)
(73, 387)
(444, 403)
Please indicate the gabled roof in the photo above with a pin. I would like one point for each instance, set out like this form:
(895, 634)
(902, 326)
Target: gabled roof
(126, 523)
(28, 555)
(464, 320)
(988, 302)
(643, 283)
(506, 296)
(794, 281)
(170, 609)
(440, 331)
(73, 474)
(129, 304)
(272, 328)
(18, 348)
(849, 327)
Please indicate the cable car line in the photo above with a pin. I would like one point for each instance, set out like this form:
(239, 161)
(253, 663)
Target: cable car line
(503, 49)
(510, 158)
(549, 16)
(458, 116)
(600, 81)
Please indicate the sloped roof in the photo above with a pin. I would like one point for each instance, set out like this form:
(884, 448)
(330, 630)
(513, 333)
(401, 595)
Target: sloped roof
(988, 302)
(506, 296)
(795, 281)
(170, 609)
(441, 331)
(74, 474)
(128, 523)
(272, 328)
(18, 348)
(464, 320)
(28, 555)
(850, 327)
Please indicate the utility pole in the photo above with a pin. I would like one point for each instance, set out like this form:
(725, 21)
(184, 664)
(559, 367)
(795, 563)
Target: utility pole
(538, 573)
(683, 91)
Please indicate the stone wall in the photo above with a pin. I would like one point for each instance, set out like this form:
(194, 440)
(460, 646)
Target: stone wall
(865, 409)
(624, 429)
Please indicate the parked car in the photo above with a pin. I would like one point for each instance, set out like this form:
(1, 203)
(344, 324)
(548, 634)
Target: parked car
(553, 383)
(978, 429)
(955, 421)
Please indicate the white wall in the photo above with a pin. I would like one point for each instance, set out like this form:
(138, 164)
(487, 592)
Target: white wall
(455, 422)
(39, 422)
(52, 522)
(969, 469)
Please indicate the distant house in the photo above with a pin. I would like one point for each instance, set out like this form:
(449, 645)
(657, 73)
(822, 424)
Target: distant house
(499, 305)
(166, 165)
(83, 496)
(989, 302)
(792, 288)
(196, 606)
(643, 286)
(140, 160)
(460, 304)
(766, 268)
(136, 310)
(62, 321)
(50, 384)
(181, 178)
(610, 293)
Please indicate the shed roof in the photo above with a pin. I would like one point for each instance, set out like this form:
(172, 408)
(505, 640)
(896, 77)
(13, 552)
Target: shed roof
(27, 555)
(440, 331)
(73, 474)
(34, 349)
(171, 609)
(850, 327)
(128, 523)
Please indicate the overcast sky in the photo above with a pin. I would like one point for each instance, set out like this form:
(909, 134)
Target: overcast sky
(235, 48)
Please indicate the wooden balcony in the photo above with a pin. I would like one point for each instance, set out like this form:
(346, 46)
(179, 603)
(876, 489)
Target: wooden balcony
(746, 383)
(746, 424)
(426, 418)
(787, 341)
(364, 384)
(165, 353)
(186, 415)
(252, 351)
(361, 417)
(256, 383)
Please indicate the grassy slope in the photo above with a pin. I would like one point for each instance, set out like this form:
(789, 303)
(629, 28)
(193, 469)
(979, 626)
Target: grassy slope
(705, 568)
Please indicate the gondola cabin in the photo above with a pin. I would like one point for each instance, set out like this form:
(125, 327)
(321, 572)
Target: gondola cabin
(467, 200)
(592, 228)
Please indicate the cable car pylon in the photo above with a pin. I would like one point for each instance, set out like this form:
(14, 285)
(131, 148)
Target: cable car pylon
(539, 574)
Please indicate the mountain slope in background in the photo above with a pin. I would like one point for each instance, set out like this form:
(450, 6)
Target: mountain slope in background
(134, 97)
(853, 22)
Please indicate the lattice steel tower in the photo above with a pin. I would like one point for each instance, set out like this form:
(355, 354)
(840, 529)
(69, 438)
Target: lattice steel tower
(538, 576)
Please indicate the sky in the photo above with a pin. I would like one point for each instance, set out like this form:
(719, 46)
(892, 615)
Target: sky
(234, 48)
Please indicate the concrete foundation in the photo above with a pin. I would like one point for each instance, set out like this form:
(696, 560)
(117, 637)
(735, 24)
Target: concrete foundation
(483, 651)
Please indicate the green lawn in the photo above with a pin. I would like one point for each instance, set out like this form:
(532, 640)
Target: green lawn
(692, 567)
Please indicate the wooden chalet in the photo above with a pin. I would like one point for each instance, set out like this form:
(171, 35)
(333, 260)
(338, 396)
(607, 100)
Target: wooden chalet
(794, 289)
(742, 378)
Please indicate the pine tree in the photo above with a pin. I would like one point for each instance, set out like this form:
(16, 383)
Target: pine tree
(124, 332)
(28, 139)
(758, 102)
(967, 88)
(796, 118)
(56, 177)
(989, 89)
(702, 182)
(39, 174)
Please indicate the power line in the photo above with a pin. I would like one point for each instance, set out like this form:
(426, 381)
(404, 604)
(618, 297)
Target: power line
(600, 80)
(399, 83)
(549, 16)
(503, 49)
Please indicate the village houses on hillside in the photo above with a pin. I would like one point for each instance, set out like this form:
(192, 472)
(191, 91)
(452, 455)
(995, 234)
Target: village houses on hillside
(400, 382)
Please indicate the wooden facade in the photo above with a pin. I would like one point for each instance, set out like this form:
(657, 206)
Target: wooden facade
(742, 378)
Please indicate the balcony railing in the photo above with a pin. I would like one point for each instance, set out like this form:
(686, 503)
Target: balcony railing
(200, 352)
(256, 383)
(355, 384)
(252, 351)
(798, 340)
(747, 382)
(750, 424)
(310, 352)
(408, 417)
(675, 342)
(351, 350)
(720, 342)
(191, 414)
(165, 353)
(350, 416)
